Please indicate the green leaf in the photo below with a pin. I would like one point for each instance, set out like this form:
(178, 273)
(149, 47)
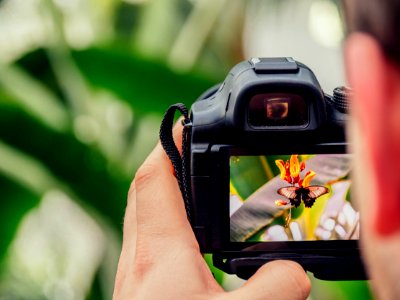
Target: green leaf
(146, 85)
(15, 202)
(81, 168)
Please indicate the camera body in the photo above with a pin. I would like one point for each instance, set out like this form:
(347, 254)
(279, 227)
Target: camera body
(267, 109)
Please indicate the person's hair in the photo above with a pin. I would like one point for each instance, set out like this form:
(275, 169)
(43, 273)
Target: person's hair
(380, 19)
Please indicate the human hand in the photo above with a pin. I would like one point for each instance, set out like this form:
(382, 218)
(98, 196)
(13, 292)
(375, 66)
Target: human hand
(160, 256)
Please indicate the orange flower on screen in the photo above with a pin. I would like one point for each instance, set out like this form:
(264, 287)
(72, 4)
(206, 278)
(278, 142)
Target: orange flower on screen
(300, 190)
(281, 202)
(291, 169)
(306, 180)
(284, 169)
(295, 168)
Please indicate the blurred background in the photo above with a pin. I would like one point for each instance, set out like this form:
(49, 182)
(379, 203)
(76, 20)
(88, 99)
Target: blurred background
(83, 86)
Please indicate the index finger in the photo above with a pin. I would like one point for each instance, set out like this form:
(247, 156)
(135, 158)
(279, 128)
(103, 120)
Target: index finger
(160, 212)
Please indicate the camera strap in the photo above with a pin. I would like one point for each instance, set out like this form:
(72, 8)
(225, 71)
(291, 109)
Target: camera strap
(179, 161)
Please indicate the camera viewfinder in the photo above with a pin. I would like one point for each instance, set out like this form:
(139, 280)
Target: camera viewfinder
(276, 109)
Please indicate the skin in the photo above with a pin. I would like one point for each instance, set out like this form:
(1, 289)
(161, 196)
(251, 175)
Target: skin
(160, 257)
(375, 135)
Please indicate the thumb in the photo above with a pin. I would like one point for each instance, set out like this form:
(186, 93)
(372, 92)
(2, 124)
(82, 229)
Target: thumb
(276, 280)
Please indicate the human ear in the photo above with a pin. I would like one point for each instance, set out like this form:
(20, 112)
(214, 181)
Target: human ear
(376, 111)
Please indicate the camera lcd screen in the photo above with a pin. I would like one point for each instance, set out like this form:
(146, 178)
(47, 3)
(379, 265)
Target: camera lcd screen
(283, 198)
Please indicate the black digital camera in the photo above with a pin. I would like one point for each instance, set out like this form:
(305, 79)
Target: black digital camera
(267, 172)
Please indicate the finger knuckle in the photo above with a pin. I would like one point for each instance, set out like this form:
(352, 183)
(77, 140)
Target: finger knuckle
(145, 173)
(144, 262)
(131, 190)
(299, 279)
